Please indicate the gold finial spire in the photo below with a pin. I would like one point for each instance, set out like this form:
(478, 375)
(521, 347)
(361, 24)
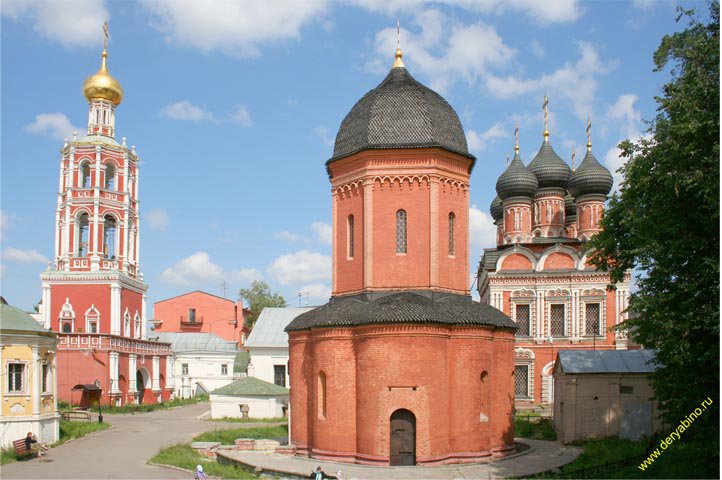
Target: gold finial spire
(546, 117)
(516, 137)
(102, 85)
(105, 35)
(589, 135)
(398, 63)
(574, 154)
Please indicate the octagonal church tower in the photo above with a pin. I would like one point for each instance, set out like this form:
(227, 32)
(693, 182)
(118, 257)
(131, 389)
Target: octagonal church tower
(401, 367)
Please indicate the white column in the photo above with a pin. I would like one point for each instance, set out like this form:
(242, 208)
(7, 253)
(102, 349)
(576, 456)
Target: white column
(156, 373)
(46, 305)
(540, 315)
(115, 310)
(143, 318)
(169, 377)
(36, 378)
(67, 248)
(114, 374)
(132, 369)
(368, 232)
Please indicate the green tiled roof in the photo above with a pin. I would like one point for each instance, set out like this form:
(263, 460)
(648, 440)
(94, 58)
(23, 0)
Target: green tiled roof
(240, 365)
(13, 318)
(251, 386)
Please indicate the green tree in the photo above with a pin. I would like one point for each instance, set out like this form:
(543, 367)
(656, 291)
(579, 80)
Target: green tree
(664, 222)
(258, 297)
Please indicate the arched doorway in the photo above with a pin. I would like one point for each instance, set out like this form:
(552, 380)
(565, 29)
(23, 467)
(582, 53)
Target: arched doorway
(142, 380)
(403, 438)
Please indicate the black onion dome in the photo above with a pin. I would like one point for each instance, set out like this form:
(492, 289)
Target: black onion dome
(516, 181)
(570, 206)
(400, 113)
(496, 209)
(550, 170)
(590, 178)
(402, 307)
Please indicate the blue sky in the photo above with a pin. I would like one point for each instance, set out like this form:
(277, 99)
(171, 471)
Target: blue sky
(233, 108)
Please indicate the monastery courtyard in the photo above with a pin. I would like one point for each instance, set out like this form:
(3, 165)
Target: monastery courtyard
(139, 437)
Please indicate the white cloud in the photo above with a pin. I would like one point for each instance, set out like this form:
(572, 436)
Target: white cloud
(324, 232)
(235, 28)
(322, 133)
(315, 293)
(286, 235)
(23, 256)
(537, 49)
(625, 116)
(4, 223)
(614, 161)
(300, 267)
(479, 141)
(185, 110)
(545, 12)
(54, 125)
(199, 269)
(575, 83)
(482, 231)
(241, 116)
(157, 219)
(444, 50)
(72, 24)
(644, 4)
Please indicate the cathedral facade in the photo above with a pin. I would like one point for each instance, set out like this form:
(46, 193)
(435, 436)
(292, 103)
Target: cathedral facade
(401, 367)
(539, 272)
(93, 294)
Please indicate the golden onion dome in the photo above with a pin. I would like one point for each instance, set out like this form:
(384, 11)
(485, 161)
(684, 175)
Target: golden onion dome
(103, 85)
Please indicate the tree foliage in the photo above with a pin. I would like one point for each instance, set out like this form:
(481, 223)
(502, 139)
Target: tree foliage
(664, 222)
(258, 297)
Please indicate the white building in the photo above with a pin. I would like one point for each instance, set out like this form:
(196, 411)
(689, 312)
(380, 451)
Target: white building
(268, 344)
(203, 361)
(250, 396)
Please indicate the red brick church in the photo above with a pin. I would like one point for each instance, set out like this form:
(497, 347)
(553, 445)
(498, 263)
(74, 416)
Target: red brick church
(93, 294)
(539, 273)
(401, 367)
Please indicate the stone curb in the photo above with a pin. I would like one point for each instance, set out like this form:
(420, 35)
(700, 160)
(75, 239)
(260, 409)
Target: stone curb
(91, 434)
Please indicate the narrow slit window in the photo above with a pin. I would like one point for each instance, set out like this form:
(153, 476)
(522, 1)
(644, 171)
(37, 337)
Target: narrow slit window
(322, 395)
(452, 226)
(350, 233)
(401, 231)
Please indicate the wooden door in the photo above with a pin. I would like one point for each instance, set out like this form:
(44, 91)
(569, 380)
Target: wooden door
(403, 438)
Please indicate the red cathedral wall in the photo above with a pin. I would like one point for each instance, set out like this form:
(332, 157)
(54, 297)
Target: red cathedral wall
(372, 371)
(81, 298)
(349, 271)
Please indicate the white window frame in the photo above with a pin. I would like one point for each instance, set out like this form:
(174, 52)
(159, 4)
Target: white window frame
(46, 380)
(224, 369)
(566, 317)
(24, 378)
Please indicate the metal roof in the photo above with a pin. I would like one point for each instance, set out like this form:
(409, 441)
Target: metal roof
(196, 342)
(269, 330)
(251, 386)
(13, 318)
(607, 361)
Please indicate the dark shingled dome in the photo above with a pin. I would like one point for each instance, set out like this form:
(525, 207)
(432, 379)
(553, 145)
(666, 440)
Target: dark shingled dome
(496, 209)
(570, 206)
(400, 113)
(516, 181)
(402, 307)
(590, 178)
(550, 170)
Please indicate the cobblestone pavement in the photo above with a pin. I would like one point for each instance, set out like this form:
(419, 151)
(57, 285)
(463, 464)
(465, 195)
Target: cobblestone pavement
(122, 451)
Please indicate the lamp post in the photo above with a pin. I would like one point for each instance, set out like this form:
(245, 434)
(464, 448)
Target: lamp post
(100, 412)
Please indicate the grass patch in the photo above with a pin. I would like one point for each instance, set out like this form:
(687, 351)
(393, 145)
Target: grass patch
(132, 408)
(541, 429)
(227, 437)
(77, 429)
(7, 456)
(249, 420)
(184, 456)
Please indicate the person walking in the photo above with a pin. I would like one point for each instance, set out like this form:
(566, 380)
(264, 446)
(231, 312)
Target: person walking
(200, 474)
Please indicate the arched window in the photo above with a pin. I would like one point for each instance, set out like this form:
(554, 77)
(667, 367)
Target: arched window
(321, 395)
(126, 323)
(67, 317)
(83, 233)
(452, 225)
(350, 235)
(484, 397)
(92, 320)
(85, 181)
(401, 231)
(110, 177)
(109, 237)
(136, 325)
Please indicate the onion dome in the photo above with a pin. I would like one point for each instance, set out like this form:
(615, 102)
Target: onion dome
(516, 181)
(550, 170)
(496, 209)
(590, 178)
(570, 206)
(103, 85)
(400, 113)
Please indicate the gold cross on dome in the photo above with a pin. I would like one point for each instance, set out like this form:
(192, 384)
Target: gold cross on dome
(105, 35)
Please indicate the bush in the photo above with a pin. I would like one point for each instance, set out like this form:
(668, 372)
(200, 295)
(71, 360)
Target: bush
(540, 429)
(133, 408)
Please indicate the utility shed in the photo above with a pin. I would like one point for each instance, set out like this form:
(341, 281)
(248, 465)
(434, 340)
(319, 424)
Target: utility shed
(602, 393)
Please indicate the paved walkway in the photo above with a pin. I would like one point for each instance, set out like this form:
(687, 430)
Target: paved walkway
(544, 456)
(121, 452)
